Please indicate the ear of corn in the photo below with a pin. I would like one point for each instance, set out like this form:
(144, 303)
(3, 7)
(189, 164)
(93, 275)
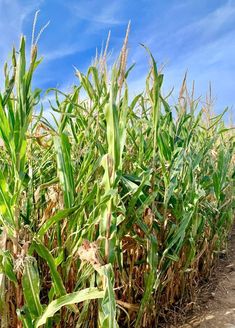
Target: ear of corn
(116, 211)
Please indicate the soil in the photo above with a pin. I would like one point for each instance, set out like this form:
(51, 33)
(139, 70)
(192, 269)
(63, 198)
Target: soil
(216, 302)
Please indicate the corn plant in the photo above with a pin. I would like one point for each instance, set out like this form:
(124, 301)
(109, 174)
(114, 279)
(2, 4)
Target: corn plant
(116, 208)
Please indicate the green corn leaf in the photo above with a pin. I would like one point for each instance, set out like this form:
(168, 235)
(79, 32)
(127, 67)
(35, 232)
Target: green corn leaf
(46, 255)
(69, 299)
(108, 305)
(65, 170)
(24, 316)
(5, 202)
(60, 215)
(31, 287)
(152, 281)
(7, 265)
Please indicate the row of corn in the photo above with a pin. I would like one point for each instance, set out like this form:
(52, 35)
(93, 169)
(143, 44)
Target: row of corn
(113, 210)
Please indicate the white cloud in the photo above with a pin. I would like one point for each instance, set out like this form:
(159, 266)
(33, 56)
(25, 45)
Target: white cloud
(209, 25)
(97, 12)
(204, 47)
(61, 52)
(13, 15)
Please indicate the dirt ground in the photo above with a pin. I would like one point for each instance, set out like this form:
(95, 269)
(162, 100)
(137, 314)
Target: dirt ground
(218, 308)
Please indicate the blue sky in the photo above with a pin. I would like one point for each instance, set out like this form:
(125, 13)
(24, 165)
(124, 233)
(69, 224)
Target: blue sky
(193, 35)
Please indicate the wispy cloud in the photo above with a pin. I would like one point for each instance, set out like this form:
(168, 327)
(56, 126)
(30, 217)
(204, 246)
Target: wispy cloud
(13, 15)
(62, 51)
(211, 24)
(12, 19)
(203, 45)
(193, 35)
(105, 12)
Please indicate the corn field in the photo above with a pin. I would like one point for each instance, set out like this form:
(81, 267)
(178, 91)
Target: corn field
(116, 208)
